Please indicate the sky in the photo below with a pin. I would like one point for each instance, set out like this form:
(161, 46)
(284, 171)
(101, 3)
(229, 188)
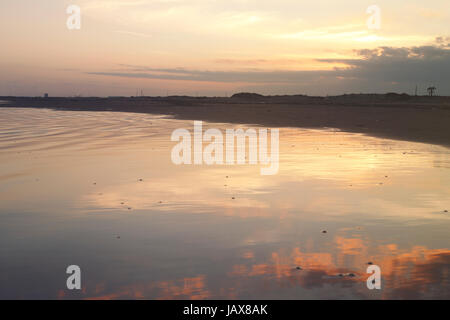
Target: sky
(220, 47)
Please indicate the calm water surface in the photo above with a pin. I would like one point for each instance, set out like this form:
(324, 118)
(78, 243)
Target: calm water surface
(99, 190)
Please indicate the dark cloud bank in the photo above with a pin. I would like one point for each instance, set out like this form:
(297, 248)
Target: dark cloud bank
(385, 69)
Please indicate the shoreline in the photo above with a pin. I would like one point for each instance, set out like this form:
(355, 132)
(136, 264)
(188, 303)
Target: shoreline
(401, 117)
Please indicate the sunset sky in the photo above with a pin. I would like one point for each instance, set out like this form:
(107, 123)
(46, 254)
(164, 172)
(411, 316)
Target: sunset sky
(219, 47)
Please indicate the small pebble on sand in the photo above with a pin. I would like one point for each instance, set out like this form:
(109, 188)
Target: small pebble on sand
(324, 231)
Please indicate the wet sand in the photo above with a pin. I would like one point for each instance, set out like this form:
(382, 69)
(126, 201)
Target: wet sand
(99, 190)
(401, 117)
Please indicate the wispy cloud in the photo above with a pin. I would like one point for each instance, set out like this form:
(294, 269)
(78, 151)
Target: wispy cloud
(137, 34)
(371, 68)
(331, 32)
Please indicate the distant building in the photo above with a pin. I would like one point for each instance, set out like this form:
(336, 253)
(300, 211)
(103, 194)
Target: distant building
(45, 95)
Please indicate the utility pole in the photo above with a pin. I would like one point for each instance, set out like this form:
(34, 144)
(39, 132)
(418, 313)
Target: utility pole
(431, 90)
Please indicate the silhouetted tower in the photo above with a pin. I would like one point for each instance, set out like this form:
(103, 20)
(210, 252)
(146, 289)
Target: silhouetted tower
(431, 91)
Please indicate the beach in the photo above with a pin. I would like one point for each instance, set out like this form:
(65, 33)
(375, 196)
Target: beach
(409, 118)
(99, 190)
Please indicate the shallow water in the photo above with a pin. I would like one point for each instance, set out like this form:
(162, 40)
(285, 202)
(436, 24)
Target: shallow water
(71, 193)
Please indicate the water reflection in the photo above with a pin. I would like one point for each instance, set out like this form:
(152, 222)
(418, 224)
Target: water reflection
(414, 274)
(99, 190)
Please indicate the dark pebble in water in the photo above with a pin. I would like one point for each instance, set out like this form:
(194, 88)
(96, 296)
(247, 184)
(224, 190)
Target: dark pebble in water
(299, 268)
(324, 231)
(141, 180)
(129, 208)
(233, 198)
(122, 203)
(118, 237)
(445, 211)
(369, 262)
(347, 275)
